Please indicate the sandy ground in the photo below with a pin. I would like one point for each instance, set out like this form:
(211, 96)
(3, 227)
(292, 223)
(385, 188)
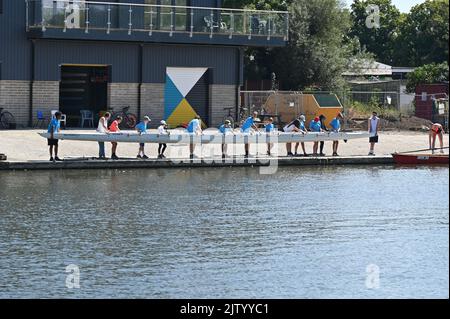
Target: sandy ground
(27, 145)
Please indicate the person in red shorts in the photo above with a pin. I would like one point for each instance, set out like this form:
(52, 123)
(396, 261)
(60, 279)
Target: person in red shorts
(114, 128)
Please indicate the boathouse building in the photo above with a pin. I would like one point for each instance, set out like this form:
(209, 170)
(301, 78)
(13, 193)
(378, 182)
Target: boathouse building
(169, 59)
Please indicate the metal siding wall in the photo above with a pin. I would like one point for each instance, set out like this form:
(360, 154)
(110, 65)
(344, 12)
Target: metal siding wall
(204, 3)
(14, 46)
(223, 61)
(121, 56)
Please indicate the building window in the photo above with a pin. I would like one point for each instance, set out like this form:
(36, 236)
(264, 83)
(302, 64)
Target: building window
(1, 6)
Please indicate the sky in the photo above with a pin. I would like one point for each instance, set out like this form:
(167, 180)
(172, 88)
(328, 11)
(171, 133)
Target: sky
(402, 5)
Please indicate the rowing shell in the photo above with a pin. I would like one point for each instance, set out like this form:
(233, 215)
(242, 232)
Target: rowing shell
(186, 138)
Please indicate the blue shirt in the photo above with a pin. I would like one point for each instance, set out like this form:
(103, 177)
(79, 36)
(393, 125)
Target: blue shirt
(141, 127)
(335, 124)
(269, 128)
(223, 129)
(315, 126)
(302, 126)
(193, 126)
(56, 124)
(248, 124)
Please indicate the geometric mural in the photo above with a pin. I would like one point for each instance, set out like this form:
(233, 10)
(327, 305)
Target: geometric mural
(180, 82)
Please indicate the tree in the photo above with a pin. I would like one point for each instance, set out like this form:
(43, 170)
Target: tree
(318, 50)
(424, 34)
(379, 38)
(427, 74)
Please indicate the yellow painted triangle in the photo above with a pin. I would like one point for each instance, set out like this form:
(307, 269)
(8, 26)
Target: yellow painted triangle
(182, 115)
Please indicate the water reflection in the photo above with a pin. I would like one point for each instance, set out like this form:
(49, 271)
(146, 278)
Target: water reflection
(303, 233)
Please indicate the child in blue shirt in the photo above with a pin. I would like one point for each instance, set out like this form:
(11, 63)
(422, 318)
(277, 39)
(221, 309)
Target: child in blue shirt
(316, 127)
(225, 129)
(54, 127)
(269, 128)
(194, 127)
(142, 129)
(249, 124)
(336, 127)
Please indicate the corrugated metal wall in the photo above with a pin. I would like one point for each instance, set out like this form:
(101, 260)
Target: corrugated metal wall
(15, 49)
(223, 61)
(124, 60)
(121, 56)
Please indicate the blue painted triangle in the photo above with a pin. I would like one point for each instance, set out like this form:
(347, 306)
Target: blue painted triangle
(172, 97)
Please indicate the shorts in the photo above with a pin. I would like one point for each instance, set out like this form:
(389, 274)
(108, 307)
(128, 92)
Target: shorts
(141, 144)
(373, 139)
(52, 142)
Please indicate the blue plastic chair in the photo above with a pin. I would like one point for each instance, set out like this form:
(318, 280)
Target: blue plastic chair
(40, 119)
(87, 116)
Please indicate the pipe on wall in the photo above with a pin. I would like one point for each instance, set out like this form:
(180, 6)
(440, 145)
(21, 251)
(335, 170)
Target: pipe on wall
(140, 79)
(32, 78)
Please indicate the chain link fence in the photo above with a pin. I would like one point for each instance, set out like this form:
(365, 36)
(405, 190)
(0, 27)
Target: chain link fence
(280, 101)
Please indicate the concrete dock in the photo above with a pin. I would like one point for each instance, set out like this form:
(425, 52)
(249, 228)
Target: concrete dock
(26, 150)
(186, 163)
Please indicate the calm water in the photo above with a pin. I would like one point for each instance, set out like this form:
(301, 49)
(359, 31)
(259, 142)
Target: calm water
(226, 233)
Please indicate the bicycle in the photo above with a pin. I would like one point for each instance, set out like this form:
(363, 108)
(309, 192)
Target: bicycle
(231, 118)
(7, 120)
(129, 121)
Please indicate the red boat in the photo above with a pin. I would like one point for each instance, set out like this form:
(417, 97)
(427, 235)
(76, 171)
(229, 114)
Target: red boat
(421, 159)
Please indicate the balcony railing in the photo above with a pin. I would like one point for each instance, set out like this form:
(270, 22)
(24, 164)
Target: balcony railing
(109, 17)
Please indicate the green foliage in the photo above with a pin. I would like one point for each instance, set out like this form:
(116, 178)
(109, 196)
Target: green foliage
(325, 37)
(366, 109)
(380, 41)
(424, 34)
(279, 5)
(319, 50)
(427, 74)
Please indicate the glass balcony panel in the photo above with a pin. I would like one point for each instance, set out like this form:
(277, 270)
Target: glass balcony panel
(155, 16)
(280, 25)
(98, 17)
(53, 14)
(181, 19)
(182, 16)
(150, 18)
(226, 21)
(240, 23)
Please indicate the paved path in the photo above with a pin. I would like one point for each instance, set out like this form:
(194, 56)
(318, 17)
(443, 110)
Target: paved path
(27, 145)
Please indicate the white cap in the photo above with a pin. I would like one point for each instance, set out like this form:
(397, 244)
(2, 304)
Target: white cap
(147, 118)
(303, 118)
(163, 122)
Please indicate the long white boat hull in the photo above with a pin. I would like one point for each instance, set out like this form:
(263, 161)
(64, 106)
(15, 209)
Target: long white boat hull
(186, 138)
